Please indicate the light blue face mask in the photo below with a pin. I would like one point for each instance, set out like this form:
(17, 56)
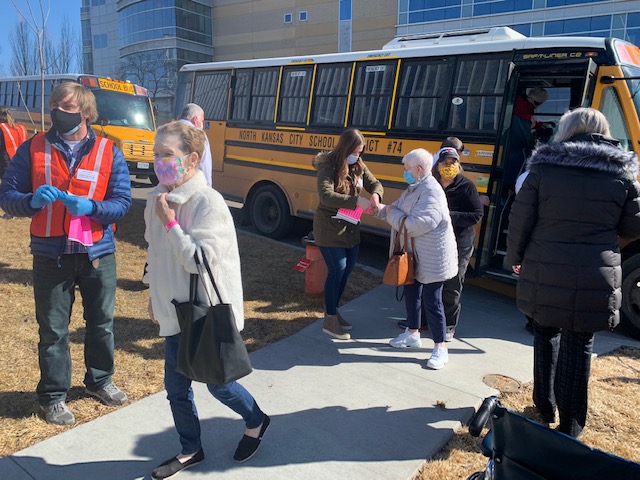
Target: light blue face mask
(352, 159)
(409, 178)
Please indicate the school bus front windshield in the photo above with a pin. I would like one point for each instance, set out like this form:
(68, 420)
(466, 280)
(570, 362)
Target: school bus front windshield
(124, 110)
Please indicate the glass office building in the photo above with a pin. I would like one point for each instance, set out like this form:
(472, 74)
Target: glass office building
(599, 18)
(146, 41)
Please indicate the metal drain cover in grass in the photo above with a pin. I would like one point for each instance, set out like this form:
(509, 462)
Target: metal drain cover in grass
(502, 383)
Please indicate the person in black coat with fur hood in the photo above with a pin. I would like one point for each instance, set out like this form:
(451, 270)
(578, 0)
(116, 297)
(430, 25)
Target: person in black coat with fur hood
(580, 195)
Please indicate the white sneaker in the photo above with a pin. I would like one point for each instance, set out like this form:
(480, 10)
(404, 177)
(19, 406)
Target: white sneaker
(439, 358)
(406, 340)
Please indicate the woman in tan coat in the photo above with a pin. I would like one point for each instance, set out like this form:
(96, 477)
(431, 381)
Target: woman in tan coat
(342, 175)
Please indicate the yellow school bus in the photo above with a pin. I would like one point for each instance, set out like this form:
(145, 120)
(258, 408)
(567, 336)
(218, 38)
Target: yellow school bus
(267, 118)
(125, 114)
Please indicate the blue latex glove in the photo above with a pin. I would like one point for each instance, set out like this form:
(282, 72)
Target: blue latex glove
(77, 206)
(45, 194)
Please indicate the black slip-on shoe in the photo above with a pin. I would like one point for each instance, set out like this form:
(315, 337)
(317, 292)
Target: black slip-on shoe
(248, 445)
(173, 466)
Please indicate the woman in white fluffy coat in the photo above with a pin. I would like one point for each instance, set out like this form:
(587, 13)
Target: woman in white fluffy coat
(183, 215)
(424, 205)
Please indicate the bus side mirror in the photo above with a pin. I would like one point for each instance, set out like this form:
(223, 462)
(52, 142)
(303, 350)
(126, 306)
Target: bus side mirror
(103, 121)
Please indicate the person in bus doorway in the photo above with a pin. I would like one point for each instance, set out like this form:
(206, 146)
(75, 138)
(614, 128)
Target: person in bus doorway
(193, 115)
(69, 179)
(342, 176)
(12, 135)
(184, 215)
(520, 142)
(424, 206)
(580, 195)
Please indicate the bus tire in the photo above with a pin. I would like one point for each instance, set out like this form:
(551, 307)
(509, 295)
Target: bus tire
(630, 311)
(269, 212)
(154, 180)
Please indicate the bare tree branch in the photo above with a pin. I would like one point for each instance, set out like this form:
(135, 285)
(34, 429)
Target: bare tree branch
(23, 46)
(152, 70)
(39, 30)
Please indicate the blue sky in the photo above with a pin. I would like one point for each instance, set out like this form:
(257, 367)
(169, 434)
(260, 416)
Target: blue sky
(58, 10)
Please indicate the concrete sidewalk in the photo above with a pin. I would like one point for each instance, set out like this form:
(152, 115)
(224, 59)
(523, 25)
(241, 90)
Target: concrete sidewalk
(354, 409)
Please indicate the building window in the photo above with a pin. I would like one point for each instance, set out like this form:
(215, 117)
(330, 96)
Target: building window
(288, 17)
(100, 41)
(345, 9)
(302, 16)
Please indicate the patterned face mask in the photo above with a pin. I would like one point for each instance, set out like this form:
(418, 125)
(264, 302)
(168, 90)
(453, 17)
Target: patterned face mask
(450, 171)
(169, 170)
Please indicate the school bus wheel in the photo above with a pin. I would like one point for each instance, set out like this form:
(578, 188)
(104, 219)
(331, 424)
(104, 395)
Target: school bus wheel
(630, 311)
(270, 212)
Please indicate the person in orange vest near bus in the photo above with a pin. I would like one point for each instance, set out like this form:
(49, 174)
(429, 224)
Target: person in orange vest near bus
(74, 186)
(13, 135)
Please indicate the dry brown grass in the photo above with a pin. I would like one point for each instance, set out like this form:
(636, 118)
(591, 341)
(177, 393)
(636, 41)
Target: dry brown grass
(275, 307)
(613, 422)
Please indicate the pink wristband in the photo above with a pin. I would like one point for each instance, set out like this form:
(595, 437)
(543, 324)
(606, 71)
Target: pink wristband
(171, 224)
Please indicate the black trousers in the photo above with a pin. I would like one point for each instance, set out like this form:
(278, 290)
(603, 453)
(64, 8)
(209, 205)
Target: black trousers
(452, 290)
(562, 364)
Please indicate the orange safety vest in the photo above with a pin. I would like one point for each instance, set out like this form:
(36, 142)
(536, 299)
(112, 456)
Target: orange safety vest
(90, 180)
(13, 137)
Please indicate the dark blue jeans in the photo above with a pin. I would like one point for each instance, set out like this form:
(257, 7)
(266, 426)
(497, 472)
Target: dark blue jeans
(340, 263)
(54, 286)
(427, 296)
(183, 407)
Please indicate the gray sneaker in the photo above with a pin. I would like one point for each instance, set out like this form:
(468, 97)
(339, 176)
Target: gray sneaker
(58, 414)
(109, 395)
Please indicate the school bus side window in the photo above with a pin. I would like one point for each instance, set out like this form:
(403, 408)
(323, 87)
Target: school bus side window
(38, 95)
(212, 92)
(14, 94)
(330, 96)
(183, 94)
(610, 106)
(477, 94)
(263, 95)
(294, 95)
(372, 92)
(421, 90)
(241, 90)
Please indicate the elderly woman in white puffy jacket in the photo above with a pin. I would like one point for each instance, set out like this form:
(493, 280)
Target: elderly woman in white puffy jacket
(428, 223)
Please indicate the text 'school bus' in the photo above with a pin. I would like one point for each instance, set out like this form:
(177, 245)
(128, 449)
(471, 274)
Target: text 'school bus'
(125, 114)
(267, 118)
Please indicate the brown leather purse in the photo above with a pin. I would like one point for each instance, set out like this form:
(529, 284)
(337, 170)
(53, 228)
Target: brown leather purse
(401, 265)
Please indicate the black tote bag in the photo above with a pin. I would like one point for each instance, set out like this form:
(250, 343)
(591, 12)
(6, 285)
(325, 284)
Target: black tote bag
(211, 349)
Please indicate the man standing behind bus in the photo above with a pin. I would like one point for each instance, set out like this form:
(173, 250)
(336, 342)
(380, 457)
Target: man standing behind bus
(62, 176)
(193, 115)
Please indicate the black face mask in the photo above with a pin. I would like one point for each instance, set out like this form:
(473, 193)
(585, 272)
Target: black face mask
(64, 122)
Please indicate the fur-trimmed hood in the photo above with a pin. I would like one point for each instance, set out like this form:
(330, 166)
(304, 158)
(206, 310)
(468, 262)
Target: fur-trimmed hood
(593, 152)
(320, 160)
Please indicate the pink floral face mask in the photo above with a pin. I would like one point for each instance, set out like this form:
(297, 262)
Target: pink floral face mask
(169, 170)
